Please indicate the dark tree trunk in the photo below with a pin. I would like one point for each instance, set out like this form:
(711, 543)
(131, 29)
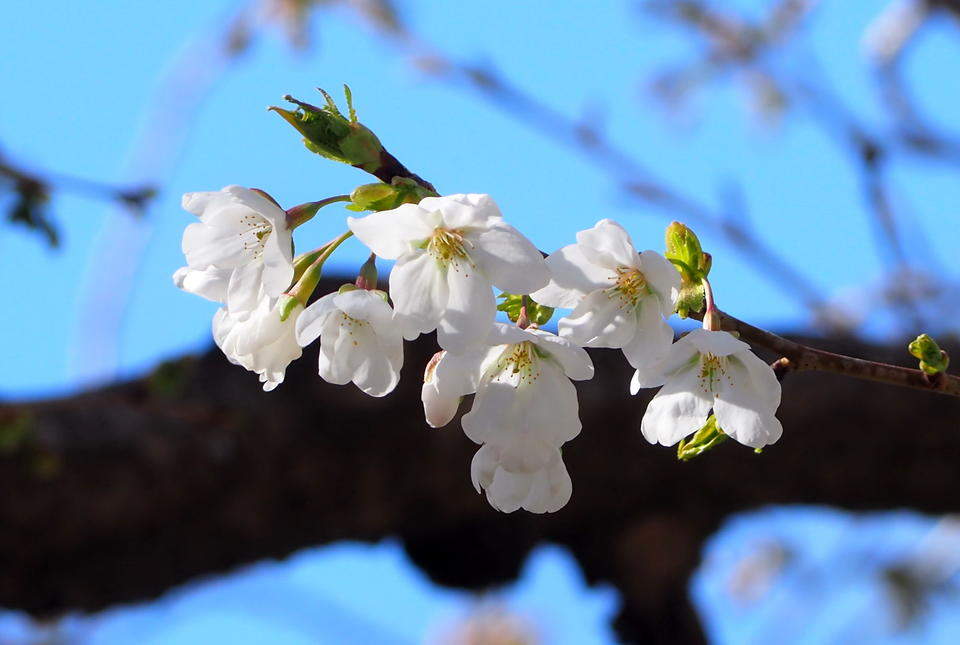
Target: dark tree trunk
(116, 495)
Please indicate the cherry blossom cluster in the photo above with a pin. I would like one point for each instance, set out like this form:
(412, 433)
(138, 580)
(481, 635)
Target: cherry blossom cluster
(449, 254)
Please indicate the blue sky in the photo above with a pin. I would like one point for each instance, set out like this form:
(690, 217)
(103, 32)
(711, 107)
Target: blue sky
(102, 89)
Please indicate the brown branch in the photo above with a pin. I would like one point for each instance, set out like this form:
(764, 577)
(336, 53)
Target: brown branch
(801, 357)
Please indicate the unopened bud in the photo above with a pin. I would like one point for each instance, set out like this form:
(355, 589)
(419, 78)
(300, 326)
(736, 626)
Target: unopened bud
(933, 360)
(327, 132)
(384, 197)
(367, 277)
(683, 250)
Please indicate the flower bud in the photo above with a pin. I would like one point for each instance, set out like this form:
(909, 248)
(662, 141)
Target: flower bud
(933, 360)
(685, 253)
(367, 277)
(384, 197)
(706, 438)
(327, 132)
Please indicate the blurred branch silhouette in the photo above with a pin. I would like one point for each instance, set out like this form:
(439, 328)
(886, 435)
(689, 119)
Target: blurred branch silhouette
(28, 193)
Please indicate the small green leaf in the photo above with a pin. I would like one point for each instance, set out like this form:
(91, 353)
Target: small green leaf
(706, 438)
(536, 313)
(683, 250)
(933, 360)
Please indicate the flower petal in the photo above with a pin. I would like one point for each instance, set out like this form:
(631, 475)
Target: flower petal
(653, 339)
(470, 309)
(210, 283)
(464, 211)
(600, 320)
(572, 277)
(420, 293)
(663, 278)
(574, 360)
(681, 355)
(678, 409)
(511, 262)
(608, 245)
(718, 343)
(311, 321)
(742, 408)
(390, 234)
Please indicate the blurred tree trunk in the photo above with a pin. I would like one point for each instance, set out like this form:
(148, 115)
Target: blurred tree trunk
(117, 494)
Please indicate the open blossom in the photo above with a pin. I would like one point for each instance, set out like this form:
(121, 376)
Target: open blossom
(240, 250)
(258, 340)
(525, 408)
(707, 370)
(359, 341)
(450, 252)
(619, 297)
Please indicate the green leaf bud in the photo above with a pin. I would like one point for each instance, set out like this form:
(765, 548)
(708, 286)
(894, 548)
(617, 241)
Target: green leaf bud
(933, 360)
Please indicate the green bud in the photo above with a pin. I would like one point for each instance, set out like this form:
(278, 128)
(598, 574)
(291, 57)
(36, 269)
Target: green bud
(684, 251)
(347, 288)
(512, 304)
(706, 438)
(384, 197)
(327, 132)
(933, 360)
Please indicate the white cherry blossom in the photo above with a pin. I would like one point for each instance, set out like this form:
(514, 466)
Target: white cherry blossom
(619, 297)
(258, 340)
(450, 252)
(711, 370)
(359, 341)
(544, 490)
(242, 240)
(525, 408)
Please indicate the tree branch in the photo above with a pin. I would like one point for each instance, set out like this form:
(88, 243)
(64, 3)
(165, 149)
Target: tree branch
(804, 358)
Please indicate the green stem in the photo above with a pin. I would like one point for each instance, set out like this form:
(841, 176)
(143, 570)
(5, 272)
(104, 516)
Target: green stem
(299, 215)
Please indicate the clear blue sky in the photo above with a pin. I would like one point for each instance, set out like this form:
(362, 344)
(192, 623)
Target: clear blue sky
(84, 85)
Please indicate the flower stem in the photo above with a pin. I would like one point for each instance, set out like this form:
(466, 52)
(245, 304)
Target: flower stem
(304, 287)
(299, 215)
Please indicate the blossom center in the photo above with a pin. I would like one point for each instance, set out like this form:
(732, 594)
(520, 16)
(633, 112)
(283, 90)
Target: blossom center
(630, 286)
(255, 232)
(350, 325)
(520, 362)
(446, 245)
(713, 370)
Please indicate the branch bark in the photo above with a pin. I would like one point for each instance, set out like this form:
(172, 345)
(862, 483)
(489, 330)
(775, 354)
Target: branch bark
(118, 494)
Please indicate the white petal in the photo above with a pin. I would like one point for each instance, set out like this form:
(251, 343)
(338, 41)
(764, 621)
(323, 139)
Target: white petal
(762, 378)
(553, 413)
(333, 366)
(572, 277)
(419, 291)
(743, 410)
(471, 308)
(470, 211)
(608, 245)
(197, 203)
(574, 360)
(718, 343)
(243, 290)
(551, 488)
(678, 409)
(482, 467)
(600, 320)
(508, 490)
(364, 305)
(663, 278)
(494, 413)
(210, 283)
(511, 262)
(373, 371)
(504, 334)
(277, 263)
(311, 321)
(438, 410)
(390, 234)
(652, 342)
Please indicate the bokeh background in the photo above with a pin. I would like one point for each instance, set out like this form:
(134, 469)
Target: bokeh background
(810, 144)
